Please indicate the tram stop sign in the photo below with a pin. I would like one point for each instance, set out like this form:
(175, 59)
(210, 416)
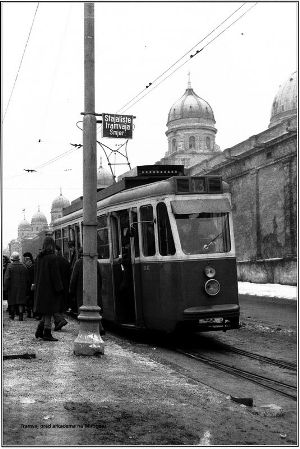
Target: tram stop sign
(117, 126)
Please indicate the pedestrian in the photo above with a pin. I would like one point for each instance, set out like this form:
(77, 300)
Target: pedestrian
(65, 272)
(49, 289)
(76, 286)
(29, 263)
(5, 262)
(16, 281)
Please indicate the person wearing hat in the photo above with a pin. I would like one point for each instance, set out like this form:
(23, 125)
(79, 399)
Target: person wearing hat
(16, 281)
(49, 289)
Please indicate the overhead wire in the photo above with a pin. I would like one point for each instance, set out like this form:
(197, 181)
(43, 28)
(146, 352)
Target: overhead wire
(191, 56)
(44, 164)
(62, 41)
(19, 68)
(178, 60)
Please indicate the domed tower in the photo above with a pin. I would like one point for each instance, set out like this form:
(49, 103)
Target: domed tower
(285, 102)
(191, 130)
(58, 204)
(104, 178)
(39, 222)
(24, 229)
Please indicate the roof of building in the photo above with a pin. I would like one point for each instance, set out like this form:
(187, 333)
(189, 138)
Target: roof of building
(39, 218)
(285, 102)
(190, 105)
(60, 202)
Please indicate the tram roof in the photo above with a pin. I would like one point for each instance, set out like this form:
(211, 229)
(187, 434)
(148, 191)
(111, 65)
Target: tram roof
(146, 175)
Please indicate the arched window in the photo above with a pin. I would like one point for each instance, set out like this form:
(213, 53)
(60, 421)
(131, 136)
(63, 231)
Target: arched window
(174, 145)
(192, 142)
(208, 143)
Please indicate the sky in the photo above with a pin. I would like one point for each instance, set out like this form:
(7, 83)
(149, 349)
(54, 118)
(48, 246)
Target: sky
(238, 73)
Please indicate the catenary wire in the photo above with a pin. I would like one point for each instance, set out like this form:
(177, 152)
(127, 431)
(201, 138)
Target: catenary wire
(56, 67)
(178, 60)
(191, 56)
(19, 68)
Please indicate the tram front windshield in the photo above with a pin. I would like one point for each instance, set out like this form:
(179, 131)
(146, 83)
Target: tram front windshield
(204, 233)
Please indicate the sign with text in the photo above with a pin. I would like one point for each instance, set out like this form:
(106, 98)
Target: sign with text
(117, 126)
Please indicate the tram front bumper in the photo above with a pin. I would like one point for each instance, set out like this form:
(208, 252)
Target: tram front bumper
(213, 317)
(215, 310)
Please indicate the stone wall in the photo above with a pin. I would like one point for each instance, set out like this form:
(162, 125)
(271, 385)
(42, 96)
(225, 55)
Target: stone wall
(262, 174)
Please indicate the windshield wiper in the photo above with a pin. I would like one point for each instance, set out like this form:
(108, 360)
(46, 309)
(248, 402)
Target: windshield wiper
(215, 238)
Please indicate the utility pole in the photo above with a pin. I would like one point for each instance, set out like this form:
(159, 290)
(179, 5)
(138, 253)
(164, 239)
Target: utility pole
(89, 341)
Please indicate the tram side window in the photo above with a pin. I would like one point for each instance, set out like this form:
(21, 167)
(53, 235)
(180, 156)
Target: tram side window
(57, 238)
(165, 237)
(134, 229)
(102, 237)
(115, 237)
(148, 239)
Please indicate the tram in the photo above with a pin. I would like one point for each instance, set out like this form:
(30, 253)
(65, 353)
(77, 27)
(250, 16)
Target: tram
(165, 245)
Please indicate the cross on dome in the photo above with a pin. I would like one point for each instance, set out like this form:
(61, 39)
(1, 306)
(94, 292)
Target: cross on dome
(189, 80)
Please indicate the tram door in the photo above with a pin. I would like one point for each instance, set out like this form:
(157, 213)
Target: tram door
(122, 268)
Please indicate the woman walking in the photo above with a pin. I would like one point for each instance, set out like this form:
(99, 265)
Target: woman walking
(16, 281)
(49, 289)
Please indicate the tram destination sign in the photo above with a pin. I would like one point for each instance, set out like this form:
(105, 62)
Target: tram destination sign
(117, 126)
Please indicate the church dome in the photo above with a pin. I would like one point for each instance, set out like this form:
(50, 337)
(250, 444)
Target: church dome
(60, 202)
(39, 218)
(24, 225)
(190, 105)
(104, 178)
(285, 102)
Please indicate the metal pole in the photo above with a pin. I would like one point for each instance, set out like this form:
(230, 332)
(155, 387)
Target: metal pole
(89, 341)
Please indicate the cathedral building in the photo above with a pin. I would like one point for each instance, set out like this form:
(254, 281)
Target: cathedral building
(261, 172)
(30, 234)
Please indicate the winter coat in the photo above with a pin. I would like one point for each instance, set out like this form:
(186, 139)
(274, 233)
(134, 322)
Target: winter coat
(65, 272)
(76, 283)
(16, 281)
(49, 288)
(30, 292)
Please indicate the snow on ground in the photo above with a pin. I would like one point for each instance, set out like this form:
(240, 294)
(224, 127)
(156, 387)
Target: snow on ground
(272, 290)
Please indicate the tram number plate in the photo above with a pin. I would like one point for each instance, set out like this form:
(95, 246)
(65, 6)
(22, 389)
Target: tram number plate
(211, 320)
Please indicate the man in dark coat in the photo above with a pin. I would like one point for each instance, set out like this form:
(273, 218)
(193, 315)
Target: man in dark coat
(16, 281)
(29, 263)
(65, 271)
(76, 285)
(49, 288)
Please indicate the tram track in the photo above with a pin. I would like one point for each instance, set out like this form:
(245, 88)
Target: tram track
(282, 388)
(276, 362)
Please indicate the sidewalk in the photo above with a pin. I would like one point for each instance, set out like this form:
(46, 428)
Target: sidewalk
(268, 290)
(124, 397)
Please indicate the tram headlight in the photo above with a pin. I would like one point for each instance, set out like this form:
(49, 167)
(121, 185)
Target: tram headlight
(209, 271)
(212, 287)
